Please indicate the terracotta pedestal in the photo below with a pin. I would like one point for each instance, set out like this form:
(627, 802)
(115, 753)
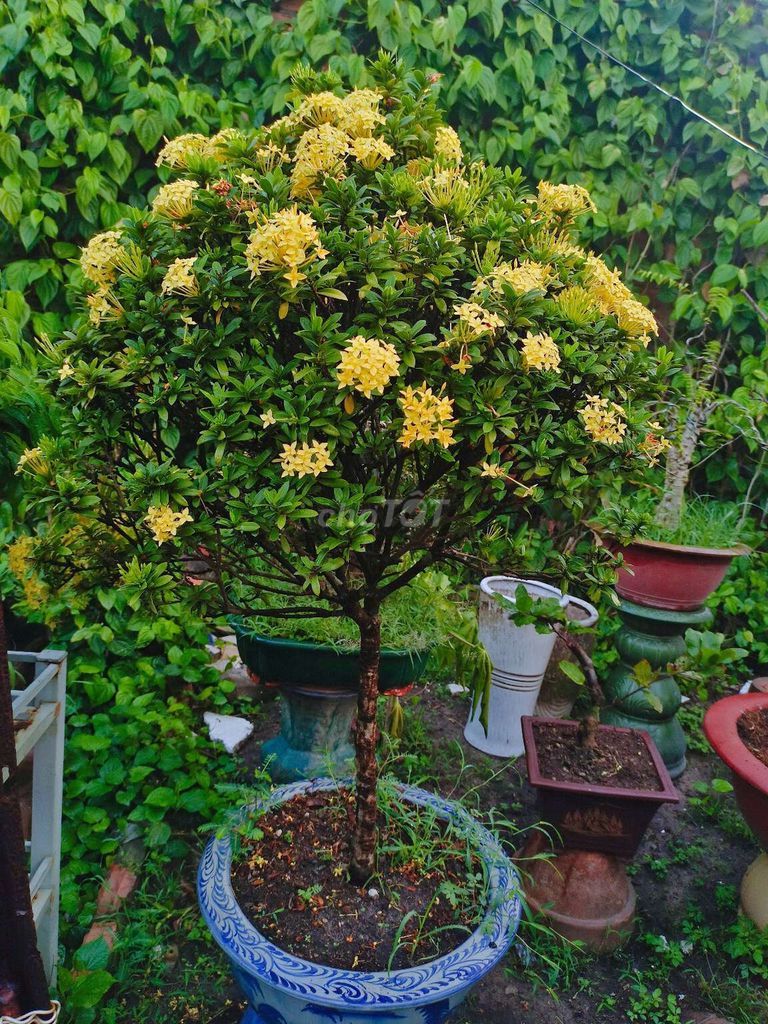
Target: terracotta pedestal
(584, 896)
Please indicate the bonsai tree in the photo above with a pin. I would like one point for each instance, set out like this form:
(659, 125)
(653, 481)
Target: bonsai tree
(328, 355)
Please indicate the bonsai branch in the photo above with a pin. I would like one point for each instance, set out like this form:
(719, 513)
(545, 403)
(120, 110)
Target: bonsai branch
(587, 734)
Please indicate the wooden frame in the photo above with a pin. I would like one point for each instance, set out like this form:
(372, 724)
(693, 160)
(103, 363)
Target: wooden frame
(40, 706)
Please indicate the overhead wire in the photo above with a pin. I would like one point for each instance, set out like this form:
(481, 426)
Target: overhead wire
(650, 82)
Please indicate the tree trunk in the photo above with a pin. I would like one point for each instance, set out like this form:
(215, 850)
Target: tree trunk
(679, 458)
(366, 734)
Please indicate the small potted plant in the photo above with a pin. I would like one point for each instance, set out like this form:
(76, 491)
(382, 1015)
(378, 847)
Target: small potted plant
(737, 728)
(599, 786)
(684, 548)
(331, 355)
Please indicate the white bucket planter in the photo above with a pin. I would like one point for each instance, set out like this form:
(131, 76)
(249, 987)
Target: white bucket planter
(519, 656)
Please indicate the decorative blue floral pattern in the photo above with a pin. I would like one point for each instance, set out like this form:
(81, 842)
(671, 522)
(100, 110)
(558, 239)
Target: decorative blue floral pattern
(288, 990)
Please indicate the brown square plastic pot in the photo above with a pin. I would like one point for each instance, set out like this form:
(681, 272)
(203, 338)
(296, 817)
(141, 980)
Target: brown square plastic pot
(609, 819)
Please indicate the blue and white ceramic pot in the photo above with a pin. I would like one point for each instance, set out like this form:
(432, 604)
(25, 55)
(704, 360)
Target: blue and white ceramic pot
(282, 989)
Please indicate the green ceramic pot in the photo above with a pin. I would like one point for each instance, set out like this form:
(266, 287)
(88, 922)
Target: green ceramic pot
(299, 663)
(318, 692)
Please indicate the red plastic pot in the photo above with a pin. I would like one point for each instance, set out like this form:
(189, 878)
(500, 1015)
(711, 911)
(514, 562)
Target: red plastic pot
(750, 775)
(672, 575)
(608, 819)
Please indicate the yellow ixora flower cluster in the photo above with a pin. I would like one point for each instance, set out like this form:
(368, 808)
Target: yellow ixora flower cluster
(319, 152)
(103, 305)
(356, 114)
(540, 352)
(179, 151)
(267, 157)
(525, 276)
(426, 417)
(654, 444)
(287, 241)
(448, 145)
(33, 461)
(305, 460)
(164, 522)
(371, 152)
(563, 200)
(492, 470)
(368, 365)
(180, 278)
(97, 259)
(612, 296)
(475, 320)
(175, 200)
(603, 420)
(19, 555)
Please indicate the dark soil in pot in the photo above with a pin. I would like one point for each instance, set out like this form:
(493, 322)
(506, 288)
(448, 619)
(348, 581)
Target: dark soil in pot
(290, 878)
(753, 732)
(617, 759)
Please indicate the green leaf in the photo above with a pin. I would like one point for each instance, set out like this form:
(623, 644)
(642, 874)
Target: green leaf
(148, 126)
(93, 956)
(760, 232)
(161, 797)
(87, 741)
(572, 671)
(88, 990)
(11, 206)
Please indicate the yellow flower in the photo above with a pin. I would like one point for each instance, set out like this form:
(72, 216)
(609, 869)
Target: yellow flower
(367, 365)
(319, 152)
(427, 417)
(19, 555)
(268, 157)
(179, 151)
(103, 305)
(371, 152)
(463, 364)
(605, 285)
(267, 418)
(570, 200)
(359, 115)
(523, 277)
(448, 145)
(319, 108)
(636, 319)
(603, 420)
(476, 320)
(540, 352)
(164, 522)
(307, 460)
(611, 295)
(36, 593)
(65, 370)
(493, 470)
(32, 461)
(287, 241)
(174, 200)
(97, 259)
(654, 444)
(180, 278)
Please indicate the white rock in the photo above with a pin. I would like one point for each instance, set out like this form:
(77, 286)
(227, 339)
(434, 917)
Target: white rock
(227, 729)
(455, 689)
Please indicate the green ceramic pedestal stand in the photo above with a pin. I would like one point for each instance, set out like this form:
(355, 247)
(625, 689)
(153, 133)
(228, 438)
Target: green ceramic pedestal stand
(315, 736)
(655, 635)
